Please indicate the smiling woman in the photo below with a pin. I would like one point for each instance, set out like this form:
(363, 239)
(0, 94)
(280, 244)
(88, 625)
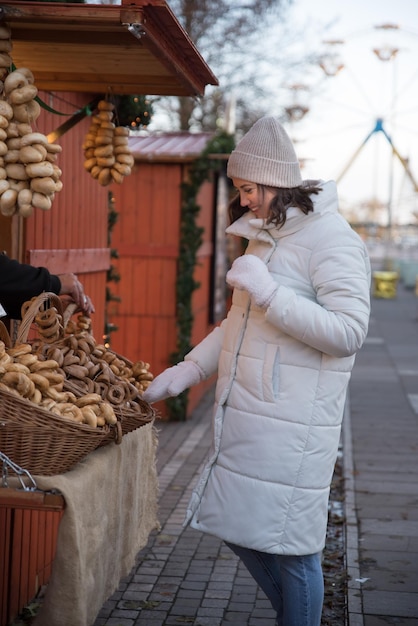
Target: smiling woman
(284, 353)
(268, 162)
(253, 198)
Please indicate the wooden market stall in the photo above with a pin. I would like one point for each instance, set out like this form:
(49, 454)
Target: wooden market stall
(79, 54)
(147, 241)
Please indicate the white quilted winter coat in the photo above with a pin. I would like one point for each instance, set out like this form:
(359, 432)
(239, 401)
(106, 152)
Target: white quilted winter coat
(282, 381)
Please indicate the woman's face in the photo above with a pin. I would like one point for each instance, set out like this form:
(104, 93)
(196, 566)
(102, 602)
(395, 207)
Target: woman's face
(252, 197)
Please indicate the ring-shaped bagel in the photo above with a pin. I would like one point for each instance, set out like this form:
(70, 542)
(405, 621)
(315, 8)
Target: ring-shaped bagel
(12, 132)
(28, 112)
(18, 185)
(34, 137)
(44, 184)
(41, 201)
(27, 73)
(117, 176)
(14, 80)
(30, 154)
(39, 170)
(23, 94)
(24, 198)
(8, 202)
(6, 110)
(4, 185)
(16, 171)
(23, 129)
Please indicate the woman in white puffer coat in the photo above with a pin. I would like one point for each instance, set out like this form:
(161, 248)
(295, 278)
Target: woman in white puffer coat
(284, 354)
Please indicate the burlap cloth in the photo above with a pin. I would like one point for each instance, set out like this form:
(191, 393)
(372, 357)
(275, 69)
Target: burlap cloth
(111, 507)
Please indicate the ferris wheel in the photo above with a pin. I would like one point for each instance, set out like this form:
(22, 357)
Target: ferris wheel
(374, 85)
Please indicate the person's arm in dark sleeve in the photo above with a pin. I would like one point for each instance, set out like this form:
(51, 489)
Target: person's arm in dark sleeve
(20, 282)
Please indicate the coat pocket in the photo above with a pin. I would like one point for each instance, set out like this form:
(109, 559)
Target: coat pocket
(271, 373)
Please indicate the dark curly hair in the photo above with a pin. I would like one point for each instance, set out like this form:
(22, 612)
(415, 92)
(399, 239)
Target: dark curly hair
(284, 198)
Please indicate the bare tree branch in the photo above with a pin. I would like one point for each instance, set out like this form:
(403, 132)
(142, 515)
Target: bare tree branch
(249, 47)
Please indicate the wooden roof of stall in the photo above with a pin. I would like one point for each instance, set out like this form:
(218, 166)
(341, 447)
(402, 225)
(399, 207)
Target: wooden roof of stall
(137, 47)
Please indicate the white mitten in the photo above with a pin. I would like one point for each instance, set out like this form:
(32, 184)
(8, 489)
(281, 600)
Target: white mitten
(173, 381)
(250, 273)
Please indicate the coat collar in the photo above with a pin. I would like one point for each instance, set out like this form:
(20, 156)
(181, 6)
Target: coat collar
(254, 228)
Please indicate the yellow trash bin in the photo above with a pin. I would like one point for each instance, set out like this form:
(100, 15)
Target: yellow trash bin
(385, 284)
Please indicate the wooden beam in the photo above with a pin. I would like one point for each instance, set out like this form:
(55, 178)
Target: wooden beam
(20, 499)
(74, 260)
(148, 251)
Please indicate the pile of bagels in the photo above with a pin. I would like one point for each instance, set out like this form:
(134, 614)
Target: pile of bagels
(29, 174)
(71, 375)
(25, 375)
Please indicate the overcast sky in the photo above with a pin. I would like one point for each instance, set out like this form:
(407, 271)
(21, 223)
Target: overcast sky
(367, 89)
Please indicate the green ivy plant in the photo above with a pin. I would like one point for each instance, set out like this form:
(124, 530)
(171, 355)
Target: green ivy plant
(112, 275)
(190, 242)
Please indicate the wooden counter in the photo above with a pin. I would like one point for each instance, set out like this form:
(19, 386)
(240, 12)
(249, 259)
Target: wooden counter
(81, 542)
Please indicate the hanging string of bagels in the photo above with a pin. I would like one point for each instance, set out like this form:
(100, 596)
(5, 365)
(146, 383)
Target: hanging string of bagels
(29, 173)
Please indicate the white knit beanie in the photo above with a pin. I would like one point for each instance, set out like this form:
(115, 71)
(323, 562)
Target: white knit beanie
(265, 155)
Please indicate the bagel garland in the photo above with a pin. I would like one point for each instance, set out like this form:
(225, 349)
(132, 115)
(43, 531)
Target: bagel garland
(29, 174)
(27, 160)
(5, 49)
(107, 156)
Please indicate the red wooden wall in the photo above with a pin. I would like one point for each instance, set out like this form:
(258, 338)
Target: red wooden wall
(27, 548)
(146, 238)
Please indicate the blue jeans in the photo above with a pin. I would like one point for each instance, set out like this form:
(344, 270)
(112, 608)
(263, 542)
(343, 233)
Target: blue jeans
(293, 584)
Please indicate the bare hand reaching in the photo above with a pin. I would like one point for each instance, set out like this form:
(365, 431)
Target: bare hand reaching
(71, 286)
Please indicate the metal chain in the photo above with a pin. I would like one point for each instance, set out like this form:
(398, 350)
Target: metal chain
(20, 473)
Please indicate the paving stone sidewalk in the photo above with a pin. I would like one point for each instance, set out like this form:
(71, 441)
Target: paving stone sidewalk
(382, 488)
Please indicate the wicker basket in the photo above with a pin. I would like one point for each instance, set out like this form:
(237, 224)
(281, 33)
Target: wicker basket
(42, 442)
(132, 413)
(34, 438)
